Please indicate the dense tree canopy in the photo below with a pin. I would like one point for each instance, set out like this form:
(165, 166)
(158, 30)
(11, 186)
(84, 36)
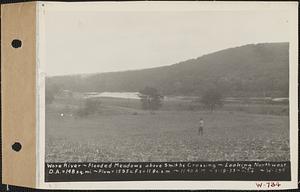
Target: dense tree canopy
(255, 70)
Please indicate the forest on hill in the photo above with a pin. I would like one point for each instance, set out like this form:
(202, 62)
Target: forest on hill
(254, 70)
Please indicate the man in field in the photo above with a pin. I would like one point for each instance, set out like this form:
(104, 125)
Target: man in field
(201, 126)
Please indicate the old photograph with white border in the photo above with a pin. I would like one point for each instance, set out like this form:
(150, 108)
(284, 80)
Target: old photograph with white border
(167, 95)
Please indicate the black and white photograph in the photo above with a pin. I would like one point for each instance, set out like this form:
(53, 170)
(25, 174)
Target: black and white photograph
(166, 85)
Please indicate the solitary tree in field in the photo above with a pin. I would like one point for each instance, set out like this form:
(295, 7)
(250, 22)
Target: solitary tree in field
(151, 99)
(212, 98)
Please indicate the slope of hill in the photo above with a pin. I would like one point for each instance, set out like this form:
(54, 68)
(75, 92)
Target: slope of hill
(250, 70)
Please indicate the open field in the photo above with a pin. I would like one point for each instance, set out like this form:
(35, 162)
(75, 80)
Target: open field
(124, 132)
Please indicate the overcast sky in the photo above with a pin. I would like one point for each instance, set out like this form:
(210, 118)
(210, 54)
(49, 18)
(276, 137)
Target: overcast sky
(104, 41)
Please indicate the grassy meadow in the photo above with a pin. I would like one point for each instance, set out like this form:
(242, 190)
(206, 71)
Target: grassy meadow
(122, 131)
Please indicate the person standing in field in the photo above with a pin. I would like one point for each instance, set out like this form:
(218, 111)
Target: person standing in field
(201, 127)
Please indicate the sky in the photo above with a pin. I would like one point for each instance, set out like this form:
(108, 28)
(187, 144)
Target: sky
(92, 41)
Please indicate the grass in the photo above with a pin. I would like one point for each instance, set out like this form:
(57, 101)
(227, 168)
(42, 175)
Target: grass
(124, 133)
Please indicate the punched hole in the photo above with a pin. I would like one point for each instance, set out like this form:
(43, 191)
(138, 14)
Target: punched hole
(16, 146)
(16, 43)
